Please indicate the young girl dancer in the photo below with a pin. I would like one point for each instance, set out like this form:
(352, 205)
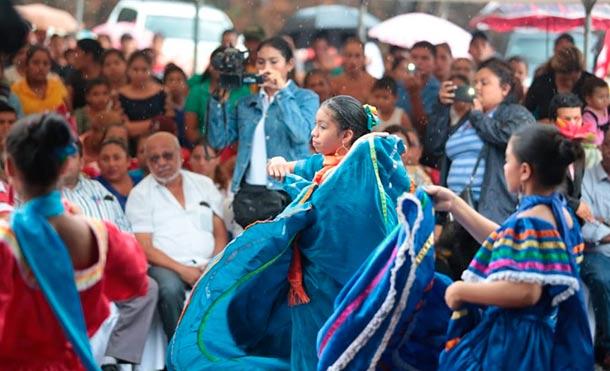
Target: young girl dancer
(58, 272)
(244, 313)
(525, 275)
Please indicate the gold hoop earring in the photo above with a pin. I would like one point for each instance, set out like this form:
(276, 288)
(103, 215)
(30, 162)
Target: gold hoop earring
(342, 151)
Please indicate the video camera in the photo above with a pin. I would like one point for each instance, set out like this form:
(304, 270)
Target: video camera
(230, 64)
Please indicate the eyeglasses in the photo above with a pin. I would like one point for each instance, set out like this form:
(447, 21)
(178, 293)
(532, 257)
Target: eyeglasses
(167, 156)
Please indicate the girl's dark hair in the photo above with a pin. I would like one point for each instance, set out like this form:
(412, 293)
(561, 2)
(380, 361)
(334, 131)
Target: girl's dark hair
(506, 76)
(110, 52)
(517, 59)
(116, 142)
(171, 68)
(278, 43)
(385, 83)
(546, 151)
(591, 84)
(33, 50)
(96, 82)
(35, 144)
(11, 23)
(348, 112)
(140, 54)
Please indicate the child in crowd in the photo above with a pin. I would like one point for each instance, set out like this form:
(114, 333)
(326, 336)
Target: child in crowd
(597, 98)
(519, 306)
(383, 96)
(205, 160)
(318, 81)
(97, 96)
(102, 124)
(175, 83)
(114, 69)
(8, 116)
(420, 175)
(520, 68)
(142, 168)
(566, 112)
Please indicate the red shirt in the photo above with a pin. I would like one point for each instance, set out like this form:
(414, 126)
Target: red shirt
(30, 336)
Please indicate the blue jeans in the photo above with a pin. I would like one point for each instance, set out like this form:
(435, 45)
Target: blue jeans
(595, 272)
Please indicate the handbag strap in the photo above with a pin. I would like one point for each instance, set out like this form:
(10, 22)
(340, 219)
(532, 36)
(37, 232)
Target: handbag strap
(476, 166)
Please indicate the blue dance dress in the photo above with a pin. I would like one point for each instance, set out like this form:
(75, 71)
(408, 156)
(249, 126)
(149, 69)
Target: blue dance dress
(392, 314)
(238, 316)
(553, 334)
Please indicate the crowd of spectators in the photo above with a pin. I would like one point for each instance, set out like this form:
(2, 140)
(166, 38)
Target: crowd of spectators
(181, 162)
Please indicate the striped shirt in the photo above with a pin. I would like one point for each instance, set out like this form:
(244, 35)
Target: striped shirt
(96, 202)
(463, 148)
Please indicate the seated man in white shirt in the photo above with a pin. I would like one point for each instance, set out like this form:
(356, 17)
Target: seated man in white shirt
(176, 216)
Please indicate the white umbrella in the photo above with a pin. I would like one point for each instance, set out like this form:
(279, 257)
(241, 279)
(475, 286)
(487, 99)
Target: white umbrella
(45, 17)
(407, 29)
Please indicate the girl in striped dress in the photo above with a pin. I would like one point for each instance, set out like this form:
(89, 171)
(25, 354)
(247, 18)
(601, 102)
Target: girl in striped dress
(519, 306)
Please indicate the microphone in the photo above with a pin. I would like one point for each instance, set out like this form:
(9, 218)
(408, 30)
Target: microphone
(203, 203)
(108, 198)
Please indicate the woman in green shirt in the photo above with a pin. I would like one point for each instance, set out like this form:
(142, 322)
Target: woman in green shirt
(196, 105)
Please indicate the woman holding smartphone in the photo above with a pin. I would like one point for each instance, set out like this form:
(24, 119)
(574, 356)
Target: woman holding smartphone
(483, 136)
(275, 122)
(473, 150)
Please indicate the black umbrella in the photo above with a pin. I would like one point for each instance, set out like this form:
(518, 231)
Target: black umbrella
(335, 19)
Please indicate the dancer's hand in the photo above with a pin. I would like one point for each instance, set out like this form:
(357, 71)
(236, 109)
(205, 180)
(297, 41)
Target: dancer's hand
(189, 274)
(452, 295)
(278, 168)
(444, 199)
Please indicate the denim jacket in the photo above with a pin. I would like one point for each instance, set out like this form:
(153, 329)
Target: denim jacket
(288, 124)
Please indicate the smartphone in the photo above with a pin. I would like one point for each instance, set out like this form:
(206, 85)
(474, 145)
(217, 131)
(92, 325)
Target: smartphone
(465, 93)
(411, 68)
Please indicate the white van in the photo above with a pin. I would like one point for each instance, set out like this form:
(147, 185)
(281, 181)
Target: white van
(175, 21)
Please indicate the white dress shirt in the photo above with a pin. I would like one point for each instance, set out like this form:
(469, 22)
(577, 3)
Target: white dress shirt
(184, 234)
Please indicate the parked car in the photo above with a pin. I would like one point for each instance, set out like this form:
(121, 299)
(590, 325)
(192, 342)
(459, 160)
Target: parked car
(175, 21)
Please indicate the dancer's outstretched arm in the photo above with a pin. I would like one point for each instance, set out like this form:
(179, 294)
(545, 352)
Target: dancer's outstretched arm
(476, 224)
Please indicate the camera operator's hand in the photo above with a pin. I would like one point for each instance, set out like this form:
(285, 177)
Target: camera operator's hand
(446, 94)
(273, 79)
